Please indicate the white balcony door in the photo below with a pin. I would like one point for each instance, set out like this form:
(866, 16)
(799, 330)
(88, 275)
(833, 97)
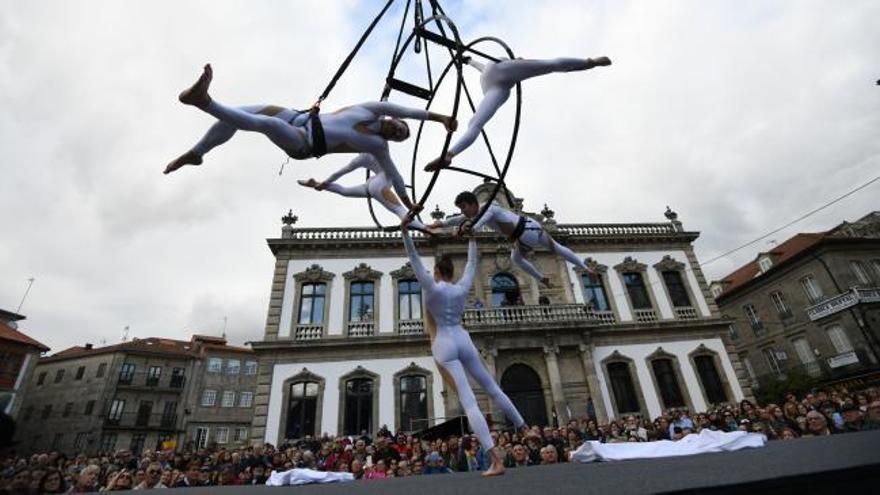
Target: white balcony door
(805, 354)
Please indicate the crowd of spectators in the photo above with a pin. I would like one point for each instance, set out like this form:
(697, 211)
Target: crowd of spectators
(386, 455)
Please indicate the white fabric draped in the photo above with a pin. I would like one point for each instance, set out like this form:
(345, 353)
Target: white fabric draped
(704, 442)
(297, 477)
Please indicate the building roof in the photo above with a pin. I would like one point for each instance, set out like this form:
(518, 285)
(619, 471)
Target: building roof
(192, 348)
(9, 333)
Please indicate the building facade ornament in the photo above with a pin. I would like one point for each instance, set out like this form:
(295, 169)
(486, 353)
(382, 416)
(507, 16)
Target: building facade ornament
(314, 273)
(669, 264)
(630, 265)
(404, 272)
(362, 272)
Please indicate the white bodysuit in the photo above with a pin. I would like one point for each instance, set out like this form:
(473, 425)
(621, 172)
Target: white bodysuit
(453, 348)
(377, 187)
(497, 79)
(502, 220)
(354, 129)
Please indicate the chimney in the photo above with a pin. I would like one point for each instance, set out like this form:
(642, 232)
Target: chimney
(89, 347)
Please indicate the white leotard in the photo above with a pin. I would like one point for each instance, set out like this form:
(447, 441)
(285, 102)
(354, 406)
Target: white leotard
(453, 348)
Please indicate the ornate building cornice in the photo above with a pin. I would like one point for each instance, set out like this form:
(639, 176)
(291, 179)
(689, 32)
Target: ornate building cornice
(669, 264)
(404, 272)
(630, 265)
(313, 273)
(362, 272)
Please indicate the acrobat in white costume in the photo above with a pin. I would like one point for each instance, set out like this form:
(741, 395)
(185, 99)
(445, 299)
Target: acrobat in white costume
(355, 129)
(496, 80)
(378, 187)
(523, 231)
(452, 347)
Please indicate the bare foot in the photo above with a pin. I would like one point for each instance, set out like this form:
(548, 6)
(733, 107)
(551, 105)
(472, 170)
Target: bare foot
(599, 61)
(308, 183)
(197, 94)
(497, 467)
(188, 158)
(438, 163)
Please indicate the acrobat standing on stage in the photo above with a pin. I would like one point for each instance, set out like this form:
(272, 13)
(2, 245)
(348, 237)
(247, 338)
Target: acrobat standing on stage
(378, 187)
(524, 232)
(452, 347)
(496, 80)
(355, 129)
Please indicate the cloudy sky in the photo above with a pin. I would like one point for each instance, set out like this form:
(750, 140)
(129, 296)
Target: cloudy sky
(739, 115)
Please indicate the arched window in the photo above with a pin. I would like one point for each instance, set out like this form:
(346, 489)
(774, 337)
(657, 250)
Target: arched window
(409, 300)
(302, 409)
(358, 406)
(594, 291)
(667, 383)
(623, 388)
(413, 402)
(311, 303)
(505, 290)
(711, 380)
(361, 307)
(523, 386)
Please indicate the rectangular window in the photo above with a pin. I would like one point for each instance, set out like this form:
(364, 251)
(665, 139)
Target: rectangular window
(137, 443)
(57, 441)
(779, 303)
(409, 300)
(233, 367)
(201, 437)
(177, 378)
(222, 435)
(41, 378)
(90, 408)
(839, 339)
(860, 271)
(59, 375)
(153, 375)
(764, 264)
(80, 442)
(126, 374)
(638, 294)
(80, 372)
(208, 398)
(754, 319)
(169, 415)
(361, 301)
(594, 292)
(250, 367)
(677, 291)
(108, 442)
(228, 398)
(47, 411)
(246, 399)
(102, 369)
(311, 304)
(811, 288)
(116, 408)
(240, 434)
(732, 332)
(215, 365)
(772, 359)
(68, 408)
(747, 364)
(145, 409)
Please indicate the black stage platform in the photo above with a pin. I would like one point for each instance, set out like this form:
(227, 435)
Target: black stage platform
(804, 466)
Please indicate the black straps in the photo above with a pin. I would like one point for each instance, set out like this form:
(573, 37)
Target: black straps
(410, 89)
(319, 144)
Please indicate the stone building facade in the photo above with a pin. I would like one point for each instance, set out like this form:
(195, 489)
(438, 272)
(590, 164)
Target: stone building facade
(134, 395)
(810, 305)
(344, 349)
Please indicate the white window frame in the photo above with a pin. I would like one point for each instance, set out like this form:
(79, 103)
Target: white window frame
(717, 290)
(764, 263)
(233, 366)
(839, 339)
(215, 365)
(221, 436)
(228, 399)
(778, 299)
(206, 394)
(811, 288)
(241, 434)
(202, 440)
(750, 370)
(248, 402)
(752, 314)
(804, 350)
(773, 361)
(250, 367)
(860, 271)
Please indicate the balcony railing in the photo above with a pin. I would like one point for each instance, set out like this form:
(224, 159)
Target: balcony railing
(308, 332)
(361, 329)
(843, 301)
(645, 315)
(535, 314)
(617, 229)
(823, 369)
(140, 420)
(686, 313)
(410, 327)
(144, 379)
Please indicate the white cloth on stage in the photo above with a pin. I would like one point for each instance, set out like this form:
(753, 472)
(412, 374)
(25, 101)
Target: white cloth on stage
(296, 477)
(702, 443)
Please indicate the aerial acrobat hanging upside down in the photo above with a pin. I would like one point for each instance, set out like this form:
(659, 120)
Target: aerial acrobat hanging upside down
(361, 128)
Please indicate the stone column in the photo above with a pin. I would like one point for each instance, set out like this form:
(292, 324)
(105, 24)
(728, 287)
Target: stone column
(550, 352)
(586, 351)
(489, 352)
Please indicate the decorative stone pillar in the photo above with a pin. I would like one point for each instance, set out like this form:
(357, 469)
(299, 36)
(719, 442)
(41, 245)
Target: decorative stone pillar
(586, 351)
(550, 352)
(489, 351)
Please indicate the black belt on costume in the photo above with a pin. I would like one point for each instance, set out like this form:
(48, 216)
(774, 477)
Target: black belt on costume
(519, 229)
(319, 144)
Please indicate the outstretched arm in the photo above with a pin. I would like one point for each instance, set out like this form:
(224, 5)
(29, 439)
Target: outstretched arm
(381, 108)
(384, 160)
(358, 162)
(467, 278)
(415, 260)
